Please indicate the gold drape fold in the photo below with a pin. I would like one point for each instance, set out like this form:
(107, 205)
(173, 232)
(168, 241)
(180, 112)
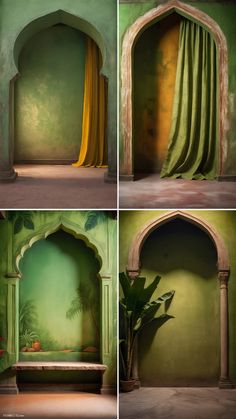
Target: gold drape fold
(93, 149)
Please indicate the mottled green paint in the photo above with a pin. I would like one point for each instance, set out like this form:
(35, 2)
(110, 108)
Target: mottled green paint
(100, 241)
(49, 95)
(224, 14)
(52, 270)
(185, 351)
(97, 19)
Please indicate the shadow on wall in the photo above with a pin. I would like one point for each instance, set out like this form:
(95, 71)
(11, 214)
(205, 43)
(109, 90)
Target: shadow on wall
(179, 245)
(186, 351)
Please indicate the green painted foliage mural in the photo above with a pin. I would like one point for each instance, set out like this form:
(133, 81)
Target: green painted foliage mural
(59, 300)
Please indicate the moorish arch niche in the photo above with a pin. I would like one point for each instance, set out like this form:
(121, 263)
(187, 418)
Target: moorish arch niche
(95, 355)
(196, 235)
(169, 11)
(59, 301)
(47, 91)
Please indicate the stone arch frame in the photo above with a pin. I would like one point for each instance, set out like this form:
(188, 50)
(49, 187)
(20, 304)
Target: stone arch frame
(104, 277)
(223, 267)
(31, 28)
(130, 38)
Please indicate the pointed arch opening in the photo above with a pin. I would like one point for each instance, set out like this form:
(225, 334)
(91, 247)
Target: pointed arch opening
(49, 93)
(217, 247)
(59, 304)
(133, 35)
(61, 260)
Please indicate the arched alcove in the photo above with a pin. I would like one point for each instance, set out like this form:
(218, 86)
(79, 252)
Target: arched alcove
(47, 91)
(222, 265)
(186, 349)
(90, 375)
(49, 97)
(59, 301)
(54, 18)
(131, 39)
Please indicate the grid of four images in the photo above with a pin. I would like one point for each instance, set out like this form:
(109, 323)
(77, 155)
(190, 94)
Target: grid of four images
(117, 209)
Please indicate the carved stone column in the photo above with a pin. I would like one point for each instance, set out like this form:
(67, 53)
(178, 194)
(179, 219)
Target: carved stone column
(107, 337)
(224, 381)
(7, 172)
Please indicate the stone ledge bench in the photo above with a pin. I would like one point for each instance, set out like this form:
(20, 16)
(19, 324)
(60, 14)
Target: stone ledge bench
(59, 376)
(55, 366)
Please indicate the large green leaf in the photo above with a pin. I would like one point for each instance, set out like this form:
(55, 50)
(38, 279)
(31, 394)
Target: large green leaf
(134, 297)
(167, 296)
(93, 219)
(18, 224)
(149, 291)
(28, 224)
(125, 283)
(150, 309)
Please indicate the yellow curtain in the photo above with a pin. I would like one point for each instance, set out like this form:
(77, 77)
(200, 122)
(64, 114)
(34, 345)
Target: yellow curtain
(93, 149)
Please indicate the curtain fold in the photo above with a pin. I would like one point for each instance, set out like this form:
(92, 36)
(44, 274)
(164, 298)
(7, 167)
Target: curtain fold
(192, 150)
(93, 149)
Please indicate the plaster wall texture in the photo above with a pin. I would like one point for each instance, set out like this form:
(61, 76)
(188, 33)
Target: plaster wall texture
(98, 237)
(97, 19)
(52, 271)
(185, 351)
(49, 96)
(224, 14)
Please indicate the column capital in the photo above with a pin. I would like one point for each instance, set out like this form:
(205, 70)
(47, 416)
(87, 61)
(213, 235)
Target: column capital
(133, 273)
(223, 277)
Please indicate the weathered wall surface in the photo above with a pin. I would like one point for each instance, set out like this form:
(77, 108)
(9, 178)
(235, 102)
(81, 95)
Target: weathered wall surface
(185, 351)
(91, 251)
(155, 61)
(224, 13)
(49, 96)
(26, 18)
(59, 298)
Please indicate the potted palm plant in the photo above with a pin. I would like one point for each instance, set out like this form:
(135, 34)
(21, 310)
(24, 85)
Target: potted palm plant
(136, 313)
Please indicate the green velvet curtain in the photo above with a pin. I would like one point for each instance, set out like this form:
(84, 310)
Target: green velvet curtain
(192, 150)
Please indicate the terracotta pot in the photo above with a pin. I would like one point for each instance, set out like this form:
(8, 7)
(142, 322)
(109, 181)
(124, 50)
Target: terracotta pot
(36, 345)
(127, 385)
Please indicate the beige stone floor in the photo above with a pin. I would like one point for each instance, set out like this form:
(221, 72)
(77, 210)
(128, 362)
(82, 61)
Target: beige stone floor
(153, 192)
(178, 403)
(58, 186)
(58, 406)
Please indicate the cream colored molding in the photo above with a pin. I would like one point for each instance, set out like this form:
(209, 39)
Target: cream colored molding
(67, 226)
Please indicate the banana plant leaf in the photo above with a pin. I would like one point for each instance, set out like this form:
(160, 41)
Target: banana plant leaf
(137, 312)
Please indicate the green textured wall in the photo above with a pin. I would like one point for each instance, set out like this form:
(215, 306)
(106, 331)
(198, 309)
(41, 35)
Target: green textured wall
(52, 271)
(86, 235)
(49, 95)
(185, 351)
(97, 19)
(224, 13)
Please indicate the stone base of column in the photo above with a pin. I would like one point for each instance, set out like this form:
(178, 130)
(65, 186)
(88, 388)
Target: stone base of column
(107, 389)
(9, 389)
(126, 178)
(8, 176)
(8, 383)
(225, 383)
(110, 177)
(137, 383)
